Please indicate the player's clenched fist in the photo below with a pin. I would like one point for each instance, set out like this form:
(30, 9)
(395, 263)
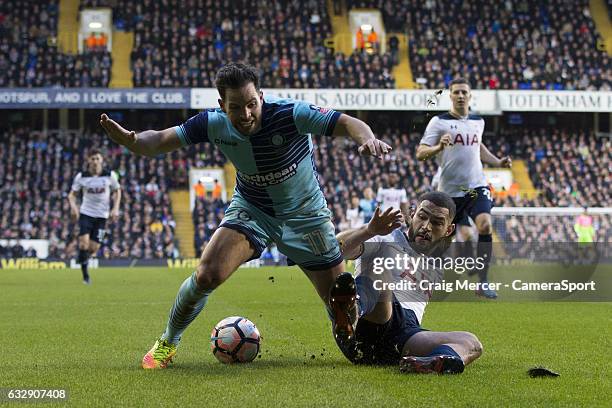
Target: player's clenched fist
(119, 135)
(374, 147)
(506, 162)
(446, 140)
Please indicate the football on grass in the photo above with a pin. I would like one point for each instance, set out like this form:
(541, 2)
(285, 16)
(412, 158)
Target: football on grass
(235, 340)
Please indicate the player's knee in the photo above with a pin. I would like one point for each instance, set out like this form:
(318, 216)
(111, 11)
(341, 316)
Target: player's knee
(209, 274)
(465, 234)
(485, 227)
(474, 344)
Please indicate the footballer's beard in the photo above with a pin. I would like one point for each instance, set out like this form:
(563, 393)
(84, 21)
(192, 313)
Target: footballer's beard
(422, 241)
(248, 127)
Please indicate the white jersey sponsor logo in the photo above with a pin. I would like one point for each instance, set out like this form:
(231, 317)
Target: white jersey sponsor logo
(460, 164)
(96, 192)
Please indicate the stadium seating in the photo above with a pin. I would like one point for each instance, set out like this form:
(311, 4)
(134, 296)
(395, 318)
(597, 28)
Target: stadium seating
(36, 176)
(546, 228)
(569, 168)
(29, 57)
(284, 40)
(508, 45)
(519, 45)
(207, 215)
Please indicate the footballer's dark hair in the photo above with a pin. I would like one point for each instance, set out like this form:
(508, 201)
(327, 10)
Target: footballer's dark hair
(459, 81)
(441, 200)
(93, 152)
(235, 75)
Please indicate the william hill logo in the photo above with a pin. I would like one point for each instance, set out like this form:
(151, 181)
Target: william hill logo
(30, 263)
(183, 263)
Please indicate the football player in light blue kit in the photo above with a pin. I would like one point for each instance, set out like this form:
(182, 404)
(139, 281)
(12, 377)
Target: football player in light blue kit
(277, 196)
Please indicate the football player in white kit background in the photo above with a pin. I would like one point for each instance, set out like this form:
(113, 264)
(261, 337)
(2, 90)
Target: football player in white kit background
(456, 139)
(389, 329)
(97, 184)
(394, 195)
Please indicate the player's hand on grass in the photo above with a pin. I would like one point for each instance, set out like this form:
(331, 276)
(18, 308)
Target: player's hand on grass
(116, 132)
(374, 147)
(506, 162)
(383, 223)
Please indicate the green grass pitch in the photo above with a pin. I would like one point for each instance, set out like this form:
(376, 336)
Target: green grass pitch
(58, 333)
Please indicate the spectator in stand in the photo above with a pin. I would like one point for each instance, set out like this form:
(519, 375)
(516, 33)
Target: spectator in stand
(360, 41)
(373, 40)
(354, 216)
(216, 191)
(200, 190)
(367, 204)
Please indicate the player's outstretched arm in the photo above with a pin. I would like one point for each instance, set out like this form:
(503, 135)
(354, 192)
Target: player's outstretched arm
(361, 133)
(489, 158)
(148, 143)
(382, 223)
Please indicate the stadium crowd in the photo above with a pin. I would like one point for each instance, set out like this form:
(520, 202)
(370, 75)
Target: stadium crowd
(569, 168)
(207, 215)
(285, 40)
(514, 44)
(29, 56)
(36, 176)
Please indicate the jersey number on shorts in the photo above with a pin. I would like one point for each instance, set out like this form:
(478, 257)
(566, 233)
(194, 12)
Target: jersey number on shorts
(101, 234)
(317, 242)
(487, 193)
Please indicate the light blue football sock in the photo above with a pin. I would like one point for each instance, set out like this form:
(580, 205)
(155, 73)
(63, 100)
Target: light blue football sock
(189, 302)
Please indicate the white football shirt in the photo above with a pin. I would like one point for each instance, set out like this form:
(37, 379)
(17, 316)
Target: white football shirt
(435, 181)
(389, 247)
(96, 192)
(354, 217)
(391, 197)
(460, 163)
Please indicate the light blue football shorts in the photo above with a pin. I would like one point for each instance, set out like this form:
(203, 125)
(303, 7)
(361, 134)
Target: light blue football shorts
(308, 240)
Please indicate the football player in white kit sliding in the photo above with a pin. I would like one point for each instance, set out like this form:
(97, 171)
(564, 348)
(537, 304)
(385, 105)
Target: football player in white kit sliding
(455, 138)
(389, 329)
(97, 184)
